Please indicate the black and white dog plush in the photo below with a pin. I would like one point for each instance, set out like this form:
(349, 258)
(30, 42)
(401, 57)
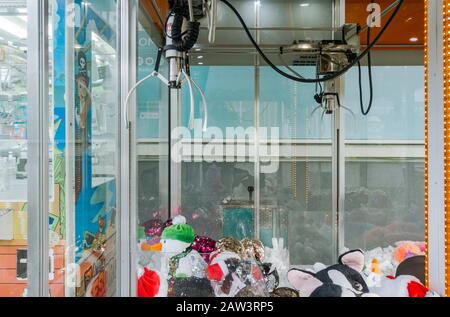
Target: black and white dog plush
(339, 280)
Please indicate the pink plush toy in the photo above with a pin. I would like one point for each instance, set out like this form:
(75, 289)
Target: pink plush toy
(408, 249)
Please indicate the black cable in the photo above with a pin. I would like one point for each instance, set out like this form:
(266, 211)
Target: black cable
(369, 64)
(165, 27)
(325, 78)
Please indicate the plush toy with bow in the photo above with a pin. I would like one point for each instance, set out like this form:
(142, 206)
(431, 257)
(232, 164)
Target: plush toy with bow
(339, 280)
(409, 280)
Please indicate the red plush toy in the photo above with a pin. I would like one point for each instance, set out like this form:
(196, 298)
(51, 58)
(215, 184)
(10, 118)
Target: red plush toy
(148, 284)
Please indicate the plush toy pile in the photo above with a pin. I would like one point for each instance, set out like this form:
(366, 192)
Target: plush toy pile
(182, 264)
(347, 279)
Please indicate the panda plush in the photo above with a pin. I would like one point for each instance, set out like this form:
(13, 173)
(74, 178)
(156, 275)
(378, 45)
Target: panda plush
(339, 280)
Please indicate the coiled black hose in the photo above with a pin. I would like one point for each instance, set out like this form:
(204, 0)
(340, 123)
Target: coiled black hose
(186, 42)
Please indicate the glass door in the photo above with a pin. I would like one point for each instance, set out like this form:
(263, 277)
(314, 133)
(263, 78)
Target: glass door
(259, 167)
(95, 118)
(13, 148)
(385, 149)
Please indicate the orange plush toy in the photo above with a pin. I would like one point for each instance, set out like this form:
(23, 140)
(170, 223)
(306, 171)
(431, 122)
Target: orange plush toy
(405, 250)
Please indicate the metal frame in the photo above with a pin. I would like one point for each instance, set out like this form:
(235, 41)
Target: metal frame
(436, 194)
(70, 156)
(38, 149)
(338, 159)
(257, 165)
(128, 179)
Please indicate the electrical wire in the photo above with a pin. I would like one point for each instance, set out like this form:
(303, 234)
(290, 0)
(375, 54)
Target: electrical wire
(171, 12)
(325, 78)
(283, 61)
(211, 16)
(205, 105)
(365, 112)
(130, 93)
(191, 94)
(191, 11)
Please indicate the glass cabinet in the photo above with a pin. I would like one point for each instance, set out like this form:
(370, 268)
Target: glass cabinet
(305, 182)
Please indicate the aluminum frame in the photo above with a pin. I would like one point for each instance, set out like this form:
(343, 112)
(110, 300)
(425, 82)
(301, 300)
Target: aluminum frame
(70, 273)
(128, 179)
(436, 192)
(38, 148)
(338, 157)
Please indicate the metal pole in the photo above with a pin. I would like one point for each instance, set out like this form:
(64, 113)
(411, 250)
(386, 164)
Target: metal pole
(127, 183)
(257, 169)
(436, 181)
(70, 273)
(38, 148)
(338, 154)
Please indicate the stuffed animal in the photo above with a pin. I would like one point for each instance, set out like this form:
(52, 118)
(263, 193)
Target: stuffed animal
(408, 281)
(148, 283)
(278, 255)
(339, 280)
(401, 286)
(186, 267)
(408, 249)
(221, 271)
(234, 273)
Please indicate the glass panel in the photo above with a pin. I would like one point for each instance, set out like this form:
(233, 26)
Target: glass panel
(212, 185)
(13, 148)
(385, 155)
(57, 170)
(296, 195)
(152, 144)
(227, 19)
(86, 215)
(314, 17)
(229, 92)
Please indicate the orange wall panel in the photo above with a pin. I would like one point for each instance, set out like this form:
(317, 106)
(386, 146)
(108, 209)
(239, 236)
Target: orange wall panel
(407, 24)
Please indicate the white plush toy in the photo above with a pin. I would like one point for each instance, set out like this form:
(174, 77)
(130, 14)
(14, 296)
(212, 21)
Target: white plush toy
(221, 271)
(183, 267)
(177, 237)
(401, 286)
(176, 241)
(278, 255)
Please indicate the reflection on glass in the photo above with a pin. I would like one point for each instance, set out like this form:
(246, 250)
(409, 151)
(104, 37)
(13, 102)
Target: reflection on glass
(13, 149)
(384, 203)
(385, 153)
(299, 197)
(213, 193)
(298, 194)
(92, 266)
(104, 114)
(152, 133)
(229, 92)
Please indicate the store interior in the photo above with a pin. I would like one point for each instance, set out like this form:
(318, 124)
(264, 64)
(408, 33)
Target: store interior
(320, 184)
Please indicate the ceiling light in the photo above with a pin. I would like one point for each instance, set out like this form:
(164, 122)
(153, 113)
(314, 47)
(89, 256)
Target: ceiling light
(257, 2)
(200, 57)
(413, 39)
(200, 63)
(305, 4)
(12, 28)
